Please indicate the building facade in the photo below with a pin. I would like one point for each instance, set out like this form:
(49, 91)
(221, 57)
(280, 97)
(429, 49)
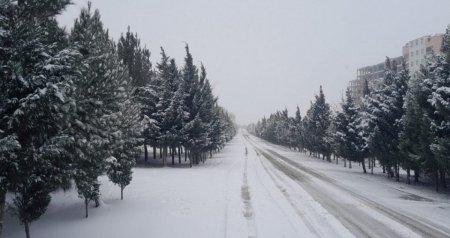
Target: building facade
(373, 74)
(414, 54)
(416, 51)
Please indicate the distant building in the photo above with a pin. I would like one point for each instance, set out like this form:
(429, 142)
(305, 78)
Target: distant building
(416, 51)
(374, 74)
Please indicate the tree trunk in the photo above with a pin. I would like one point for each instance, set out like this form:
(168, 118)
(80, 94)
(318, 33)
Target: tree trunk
(337, 160)
(145, 152)
(2, 208)
(86, 203)
(397, 172)
(345, 163)
(443, 181)
(160, 152)
(436, 177)
(384, 169)
(364, 165)
(179, 155)
(154, 152)
(349, 164)
(173, 156)
(27, 229)
(121, 192)
(164, 155)
(185, 155)
(373, 165)
(408, 176)
(416, 175)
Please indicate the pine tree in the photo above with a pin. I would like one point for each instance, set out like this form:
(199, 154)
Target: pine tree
(34, 91)
(351, 145)
(387, 111)
(298, 130)
(411, 138)
(435, 101)
(101, 89)
(319, 122)
(137, 61)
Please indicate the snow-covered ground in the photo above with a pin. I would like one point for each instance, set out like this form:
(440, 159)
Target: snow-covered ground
(270, 192)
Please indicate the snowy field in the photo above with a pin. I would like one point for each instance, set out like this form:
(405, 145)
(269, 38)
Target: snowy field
(270, 192)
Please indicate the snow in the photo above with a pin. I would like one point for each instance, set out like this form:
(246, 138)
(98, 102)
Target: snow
(235, 194)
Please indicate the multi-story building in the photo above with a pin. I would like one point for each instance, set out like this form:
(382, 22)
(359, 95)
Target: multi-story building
(416, 51)
(374, 75)
(414, 54)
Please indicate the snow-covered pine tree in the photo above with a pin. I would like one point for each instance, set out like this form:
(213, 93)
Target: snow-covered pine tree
(137, 60)
(166, 84)
(298, 130)
(206, 109)
(126, 126)
(34, 91)
(435, 101)
(386, 113)
(415, 137)
(101, 90)
(194, 128)
(321, 119)
(351, 145)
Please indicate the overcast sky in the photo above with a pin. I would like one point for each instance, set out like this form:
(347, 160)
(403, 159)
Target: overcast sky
(267, 55)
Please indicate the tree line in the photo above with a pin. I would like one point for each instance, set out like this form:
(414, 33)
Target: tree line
(403, 125)
(77, 105)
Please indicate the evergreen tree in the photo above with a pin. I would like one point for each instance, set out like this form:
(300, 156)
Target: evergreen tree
(298, 130)
(137, 61)
(101, 89)
(387, 111)
(319, 121)
(351, 145)
(413, 150)
(435, 101)
(34, 91)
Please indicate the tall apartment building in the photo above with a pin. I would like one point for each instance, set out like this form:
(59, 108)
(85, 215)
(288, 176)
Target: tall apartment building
(416, 51)
(414, 54)
(374, 74)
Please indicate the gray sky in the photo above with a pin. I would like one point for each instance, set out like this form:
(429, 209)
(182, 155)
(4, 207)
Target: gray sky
(264, 55)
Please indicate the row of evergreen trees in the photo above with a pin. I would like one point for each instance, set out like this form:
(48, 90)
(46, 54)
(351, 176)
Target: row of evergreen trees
(404, 124)
(75, 106)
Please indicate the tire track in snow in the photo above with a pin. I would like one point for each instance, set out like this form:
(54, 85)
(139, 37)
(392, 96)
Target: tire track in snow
(288, 198)
(248, 212)
(426, 230)
(360, 226)
(227, 197)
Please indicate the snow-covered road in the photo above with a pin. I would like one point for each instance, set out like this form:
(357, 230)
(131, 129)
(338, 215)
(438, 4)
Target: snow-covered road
(268, 192)
(369, 210)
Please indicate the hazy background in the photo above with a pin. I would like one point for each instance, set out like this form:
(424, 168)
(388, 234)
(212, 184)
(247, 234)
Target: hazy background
(266, 55)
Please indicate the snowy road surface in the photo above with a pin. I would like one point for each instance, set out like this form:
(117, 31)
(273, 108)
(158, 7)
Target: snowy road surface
(269, 192)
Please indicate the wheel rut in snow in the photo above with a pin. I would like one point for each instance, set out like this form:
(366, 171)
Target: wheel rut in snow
(422, 227)
(248, 212)
(359, 224)
(287, 196)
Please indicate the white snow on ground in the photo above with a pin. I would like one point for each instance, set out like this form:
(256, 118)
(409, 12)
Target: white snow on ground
(238, 195)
